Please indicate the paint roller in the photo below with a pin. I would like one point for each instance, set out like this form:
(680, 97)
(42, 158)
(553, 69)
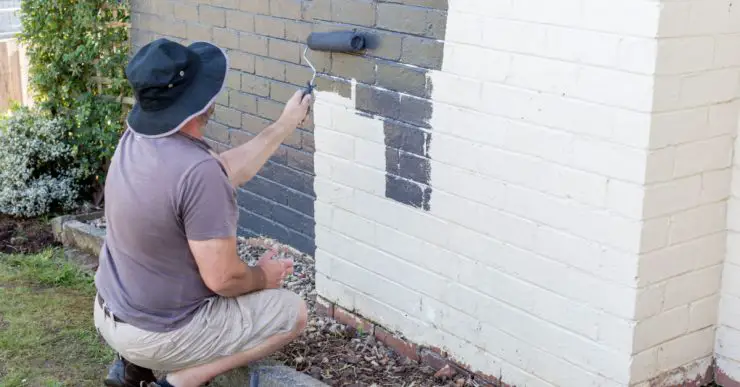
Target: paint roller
(338, 41)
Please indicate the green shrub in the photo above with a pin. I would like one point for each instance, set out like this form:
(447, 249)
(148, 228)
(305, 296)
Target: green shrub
(37, 166)
(70, 43)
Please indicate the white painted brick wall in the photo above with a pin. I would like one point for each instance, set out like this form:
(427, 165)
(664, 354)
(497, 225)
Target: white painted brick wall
(581, 158)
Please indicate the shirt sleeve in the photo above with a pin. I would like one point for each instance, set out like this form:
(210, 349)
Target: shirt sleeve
(208, 203)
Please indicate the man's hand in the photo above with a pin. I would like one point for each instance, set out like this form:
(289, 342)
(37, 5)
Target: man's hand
(275, 270)
(244, 161)
(295, 110)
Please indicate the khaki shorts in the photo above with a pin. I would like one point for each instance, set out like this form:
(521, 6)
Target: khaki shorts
(221, 327)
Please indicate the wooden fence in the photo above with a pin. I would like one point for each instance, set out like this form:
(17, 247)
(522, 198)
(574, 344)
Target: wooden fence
(13, 75)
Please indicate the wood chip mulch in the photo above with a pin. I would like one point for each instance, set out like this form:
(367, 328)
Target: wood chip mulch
(337, 354)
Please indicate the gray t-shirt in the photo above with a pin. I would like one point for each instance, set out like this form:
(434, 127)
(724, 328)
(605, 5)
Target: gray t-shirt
(159, 193)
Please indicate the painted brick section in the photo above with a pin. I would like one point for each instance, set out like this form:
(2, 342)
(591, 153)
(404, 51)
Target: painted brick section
(536, 175)
(687, 186)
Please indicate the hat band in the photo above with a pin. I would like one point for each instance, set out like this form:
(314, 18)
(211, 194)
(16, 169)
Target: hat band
(160, 97)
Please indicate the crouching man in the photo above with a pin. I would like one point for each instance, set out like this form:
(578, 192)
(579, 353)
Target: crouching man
(172, 293)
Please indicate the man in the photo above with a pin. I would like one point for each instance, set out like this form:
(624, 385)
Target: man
(172, 293)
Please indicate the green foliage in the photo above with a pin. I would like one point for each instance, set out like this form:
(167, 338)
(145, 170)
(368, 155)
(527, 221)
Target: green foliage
(37, 165)
(70, 43)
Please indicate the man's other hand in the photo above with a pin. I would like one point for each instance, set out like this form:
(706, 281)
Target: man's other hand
(295, 110)
(275, 270)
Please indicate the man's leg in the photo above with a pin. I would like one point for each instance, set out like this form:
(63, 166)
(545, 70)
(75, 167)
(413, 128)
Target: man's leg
(198, 375)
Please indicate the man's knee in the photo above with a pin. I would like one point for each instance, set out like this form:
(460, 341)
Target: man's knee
(302, 318)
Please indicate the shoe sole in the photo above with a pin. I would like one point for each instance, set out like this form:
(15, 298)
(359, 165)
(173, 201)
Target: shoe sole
(112, 383)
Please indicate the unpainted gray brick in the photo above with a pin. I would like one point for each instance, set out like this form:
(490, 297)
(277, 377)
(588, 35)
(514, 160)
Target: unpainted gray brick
(300, 160)
(307, 142)
(317, 10)
(234, 79)
(297, 31)
(297, 74)
(270, 68)
(437, 4)
(217, 132)
(253, 44)
(196, 2)
(241, 21)
(162, 8)
(227, 116)
(357, 12)
(242, 102)
(422, 52)
(225, 3)
(199, 32)
(242, 61)
(254, 124)
(223, 98)
(289, 9)
(186, 12)
(255, 6)
(354, 66)
(284, 50)
(267, 108)
(226, 38)
(281, 92)
(176, 29)
(321, 60)
(269, 26)
(253, 84)
(402, 78)
(212, 16)
(413, 20)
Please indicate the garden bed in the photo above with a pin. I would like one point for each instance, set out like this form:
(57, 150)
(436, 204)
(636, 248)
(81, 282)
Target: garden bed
(24, 236)
(329, 351)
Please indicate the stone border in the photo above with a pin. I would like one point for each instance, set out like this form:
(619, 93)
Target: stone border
(73, 231)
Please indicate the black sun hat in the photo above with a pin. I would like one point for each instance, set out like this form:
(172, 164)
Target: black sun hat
(172, 84)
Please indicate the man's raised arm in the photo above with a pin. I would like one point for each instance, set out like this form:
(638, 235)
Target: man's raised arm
(244, 161)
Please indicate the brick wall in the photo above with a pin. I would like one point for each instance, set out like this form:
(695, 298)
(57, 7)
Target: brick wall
(538, 188)
(695, 105)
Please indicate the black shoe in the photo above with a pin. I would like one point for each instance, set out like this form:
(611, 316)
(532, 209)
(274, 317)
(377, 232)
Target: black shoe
(115, 373)
(123, 373)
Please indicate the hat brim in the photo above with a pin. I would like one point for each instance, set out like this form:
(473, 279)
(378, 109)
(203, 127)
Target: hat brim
(201, 93)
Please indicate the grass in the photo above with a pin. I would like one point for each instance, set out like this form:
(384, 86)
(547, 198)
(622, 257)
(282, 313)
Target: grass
(47, 336)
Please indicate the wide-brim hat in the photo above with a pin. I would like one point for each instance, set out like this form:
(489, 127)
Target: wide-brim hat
(172, 84)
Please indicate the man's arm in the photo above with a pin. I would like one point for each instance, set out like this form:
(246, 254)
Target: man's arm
(222, 270)
(244, 161)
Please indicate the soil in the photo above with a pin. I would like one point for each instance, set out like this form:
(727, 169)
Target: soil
(24, 236)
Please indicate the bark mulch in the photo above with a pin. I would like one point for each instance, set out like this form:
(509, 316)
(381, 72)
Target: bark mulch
(335, 353)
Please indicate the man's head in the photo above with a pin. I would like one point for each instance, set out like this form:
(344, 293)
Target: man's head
(196, 126)
(175, 86)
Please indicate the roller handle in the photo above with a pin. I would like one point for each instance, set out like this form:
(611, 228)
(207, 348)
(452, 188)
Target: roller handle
(307, 90)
